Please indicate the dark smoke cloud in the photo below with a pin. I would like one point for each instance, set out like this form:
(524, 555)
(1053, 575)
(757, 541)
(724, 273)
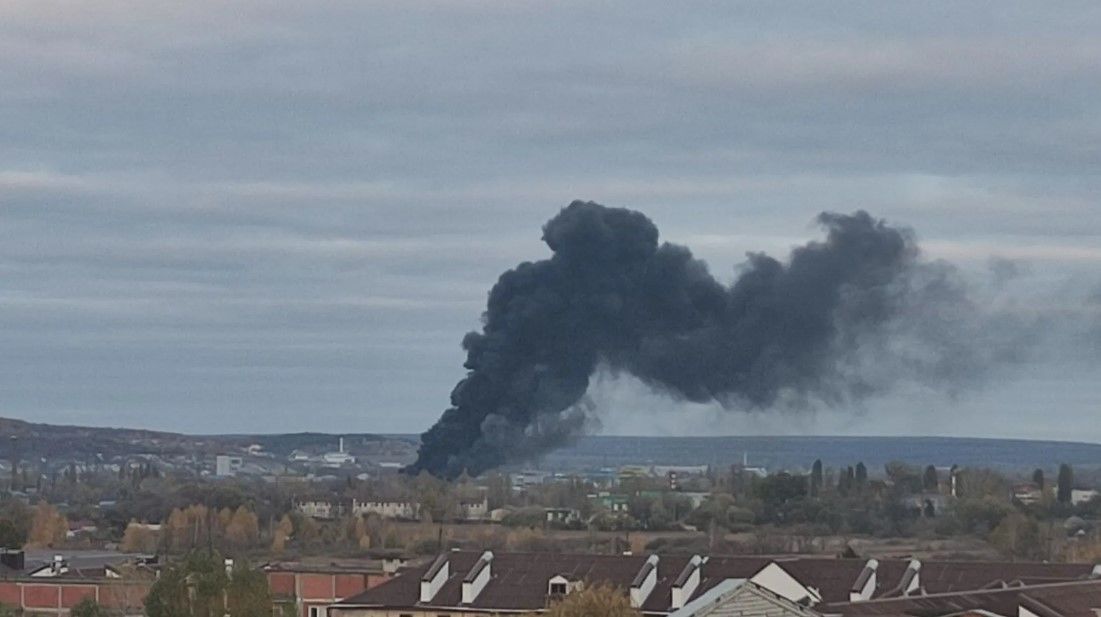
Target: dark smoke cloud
(821, 328)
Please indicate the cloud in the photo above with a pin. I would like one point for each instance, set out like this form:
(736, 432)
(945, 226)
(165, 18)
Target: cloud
(331, 188)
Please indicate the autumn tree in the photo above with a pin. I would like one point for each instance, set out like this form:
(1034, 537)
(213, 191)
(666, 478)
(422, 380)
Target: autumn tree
(1020, 537)
(243, 528)
(362, 533)
(281, 534)
(598, 601)
(438, 500)
(138, 538)
(48, 527)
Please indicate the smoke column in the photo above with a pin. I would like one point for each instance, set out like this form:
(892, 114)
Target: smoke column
(611, 295)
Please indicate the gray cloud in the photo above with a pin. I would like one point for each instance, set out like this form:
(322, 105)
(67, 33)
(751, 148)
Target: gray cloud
(299, 209)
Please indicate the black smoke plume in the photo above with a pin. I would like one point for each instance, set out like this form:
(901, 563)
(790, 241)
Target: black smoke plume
(612, 296)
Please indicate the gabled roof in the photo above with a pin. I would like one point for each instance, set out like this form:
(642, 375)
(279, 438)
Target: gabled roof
(1075, 599)
(731, 595)
(518, 581)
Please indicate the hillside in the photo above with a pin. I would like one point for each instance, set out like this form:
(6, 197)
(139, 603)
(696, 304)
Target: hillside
(35, 440)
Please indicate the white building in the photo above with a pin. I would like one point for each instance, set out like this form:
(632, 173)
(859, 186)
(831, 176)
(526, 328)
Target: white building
(475, 510)
(225, 466)
(338, 458)
(387, 509)
(317, 508)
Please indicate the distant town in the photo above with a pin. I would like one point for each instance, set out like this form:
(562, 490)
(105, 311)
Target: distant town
(335, 526)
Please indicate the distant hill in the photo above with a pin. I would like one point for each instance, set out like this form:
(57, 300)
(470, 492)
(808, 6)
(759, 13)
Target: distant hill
(774, 453)
(794, 453)
(35, 440)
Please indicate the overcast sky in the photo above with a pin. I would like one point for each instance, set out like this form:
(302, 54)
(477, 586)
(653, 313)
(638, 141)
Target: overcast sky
(252, 216)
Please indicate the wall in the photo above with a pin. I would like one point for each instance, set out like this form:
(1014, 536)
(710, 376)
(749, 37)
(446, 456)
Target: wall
(320, 589)
(362, 612)
(59, 597)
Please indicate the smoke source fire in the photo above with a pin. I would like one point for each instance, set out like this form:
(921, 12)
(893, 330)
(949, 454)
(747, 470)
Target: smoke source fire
(611, 295)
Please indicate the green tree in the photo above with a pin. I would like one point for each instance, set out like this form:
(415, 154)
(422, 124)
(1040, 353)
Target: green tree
(861, 474)
(845, 481)
(1019, 536)
(816, 478)
(780, 488)
(11, 536)
(498, 491)
(1038, 478)
(169, 596)
(929, 479)
(1064, 484)
(195, 587)
(248, 594)
(88, 608)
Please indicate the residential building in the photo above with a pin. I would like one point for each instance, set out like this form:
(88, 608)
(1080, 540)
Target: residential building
(338, 458)
(38, 583)
(562, 516)
(226, 466)
(612, 502)
(1081, 496)
(1020, 599)
(489, 584)
(387, 508)
(1027, 493)
(321, 509)
(311, 587)
(474, 509)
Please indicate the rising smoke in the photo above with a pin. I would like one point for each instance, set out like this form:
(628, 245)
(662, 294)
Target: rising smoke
(822, 328)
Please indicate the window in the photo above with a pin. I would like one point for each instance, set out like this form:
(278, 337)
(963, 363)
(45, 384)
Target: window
(556, 589)
(315, 611)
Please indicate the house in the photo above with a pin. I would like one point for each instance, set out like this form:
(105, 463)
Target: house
(562, 516)
(1058, 599)
(226, 466)
(38, 583)
(1080, 496)
(927, 503)
(491, 584)
(737, 597)
(1027, 493)
(1065, 599)
(391, 508)
(310, 587)
(80, 529)
(524, 479)
(612, 502)
(338, 458)
(319, 508)
(473, 509)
